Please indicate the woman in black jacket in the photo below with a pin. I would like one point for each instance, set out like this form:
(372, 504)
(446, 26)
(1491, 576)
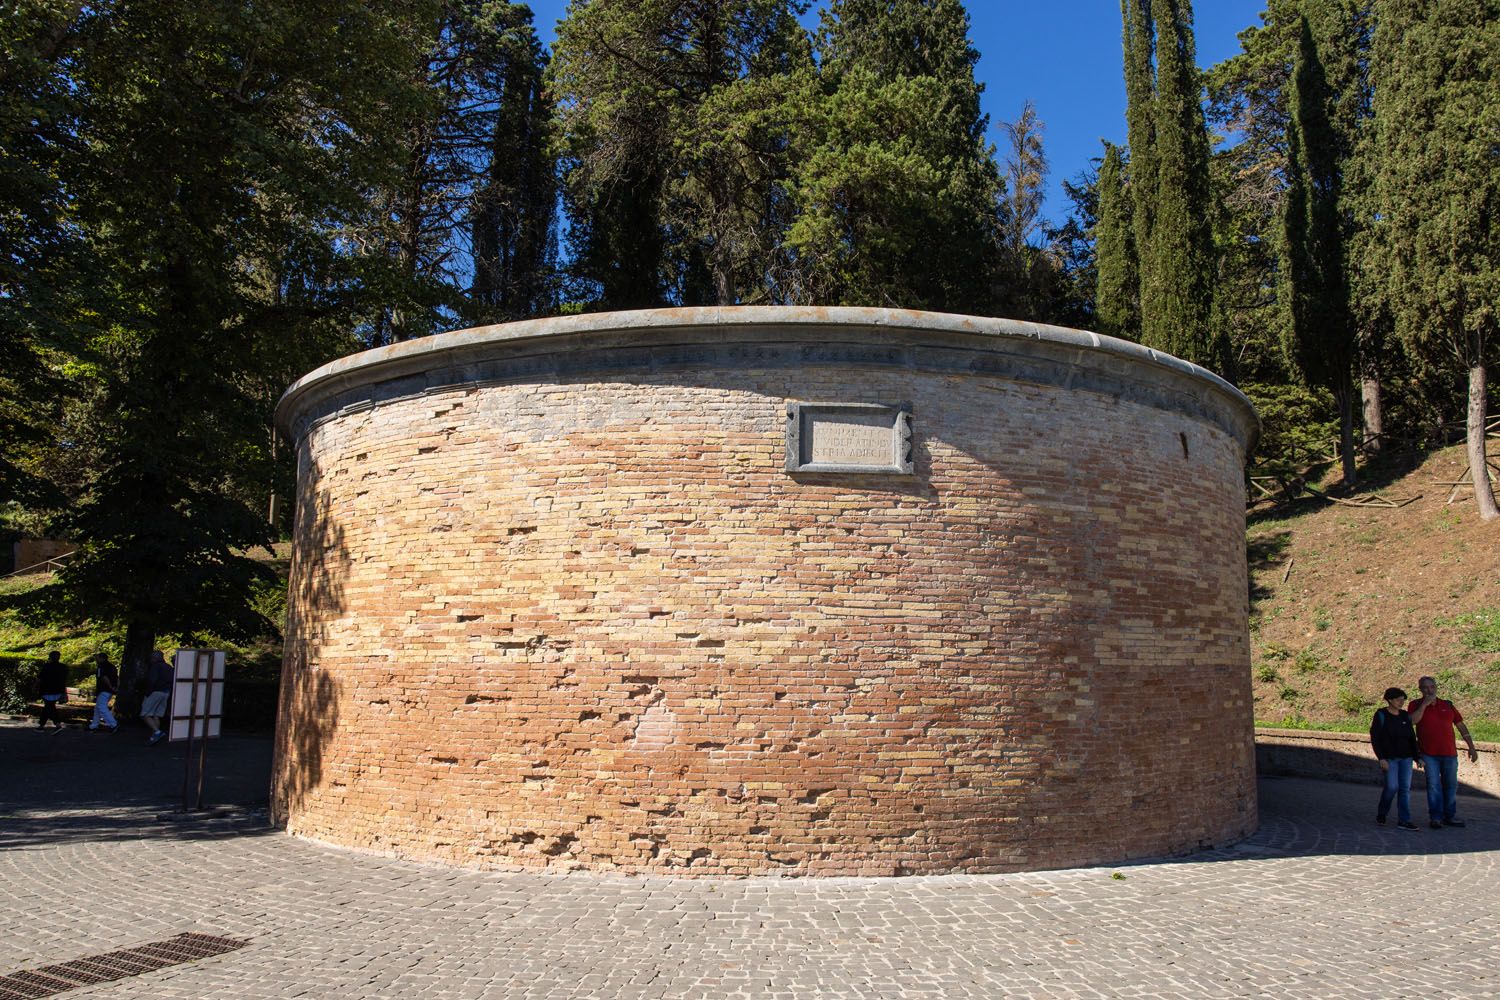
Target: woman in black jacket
(1395, 743)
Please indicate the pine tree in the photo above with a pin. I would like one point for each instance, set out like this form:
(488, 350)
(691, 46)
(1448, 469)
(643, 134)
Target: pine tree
(671, 144)
(225, 152)
(39, 249)
(473, 207)
(1028, 275)
(894, 185)
(1117, 292)
(1436, 71)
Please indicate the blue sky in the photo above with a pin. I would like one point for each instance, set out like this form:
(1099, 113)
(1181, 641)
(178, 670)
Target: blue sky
(1065, 56)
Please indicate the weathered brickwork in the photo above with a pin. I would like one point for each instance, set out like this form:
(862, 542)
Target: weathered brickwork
(591, 622)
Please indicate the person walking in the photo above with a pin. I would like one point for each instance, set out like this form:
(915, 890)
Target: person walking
(158, 696)
(1395, 743)
(1435, 720)
(107, 680)
(52, 685)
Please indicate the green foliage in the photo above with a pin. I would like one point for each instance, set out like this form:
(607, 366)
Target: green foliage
(1322, 619)
(1481, 629)
(1297, 425)
(1118, 294)
(1288, 693)
(1169, 182)
(1436, 184)
(17, 682)
(1267, 674)
(1436, 188)
(1319, 333)
(1350, 701)
(475, 204)
(1309, 661)
(219, 156)
(673, 136)
(894, 187)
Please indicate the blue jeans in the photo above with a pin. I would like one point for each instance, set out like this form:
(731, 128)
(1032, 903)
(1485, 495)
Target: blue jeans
(1398, 787)
(1442, 786)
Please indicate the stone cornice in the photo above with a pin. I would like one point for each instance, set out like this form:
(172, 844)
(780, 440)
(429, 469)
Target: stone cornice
(657, 341)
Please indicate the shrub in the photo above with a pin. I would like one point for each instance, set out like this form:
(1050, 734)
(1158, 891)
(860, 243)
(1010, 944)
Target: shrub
(1308, 661)
(1266, 674)
(17, 682)
(1352, 702)
(1481, 629)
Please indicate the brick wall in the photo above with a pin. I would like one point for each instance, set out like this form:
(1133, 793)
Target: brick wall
(591, 622)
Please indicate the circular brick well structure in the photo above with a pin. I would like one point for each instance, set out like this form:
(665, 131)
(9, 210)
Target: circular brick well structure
(767, 590)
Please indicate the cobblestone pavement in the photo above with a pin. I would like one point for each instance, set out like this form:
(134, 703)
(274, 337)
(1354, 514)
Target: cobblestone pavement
(1320, 903)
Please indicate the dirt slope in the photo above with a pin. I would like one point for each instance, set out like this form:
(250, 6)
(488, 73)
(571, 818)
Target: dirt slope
(1348, 601)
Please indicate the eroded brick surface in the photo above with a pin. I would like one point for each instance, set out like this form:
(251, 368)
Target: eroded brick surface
(595, 624)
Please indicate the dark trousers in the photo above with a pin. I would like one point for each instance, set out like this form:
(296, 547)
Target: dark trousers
(49, 711)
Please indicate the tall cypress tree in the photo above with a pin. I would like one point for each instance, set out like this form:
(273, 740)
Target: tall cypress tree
(512, 217)
(1116, 296)
(1436, 71)
(1169, 180)
(1319, 333)
(1139, 41)
(1177, 294)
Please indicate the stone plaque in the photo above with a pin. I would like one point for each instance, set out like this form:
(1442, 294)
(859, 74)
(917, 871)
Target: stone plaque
(848, 437)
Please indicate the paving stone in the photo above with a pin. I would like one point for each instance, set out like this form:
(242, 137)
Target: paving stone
(1319, 903)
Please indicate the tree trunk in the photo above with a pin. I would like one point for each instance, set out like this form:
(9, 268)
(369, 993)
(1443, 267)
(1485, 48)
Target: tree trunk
(140, 643)
(1345, 399)
(1369, 389)
(724, 291)
(1484, 494)
(273, 512)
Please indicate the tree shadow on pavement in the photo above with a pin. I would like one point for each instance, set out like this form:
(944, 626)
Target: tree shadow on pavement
(77, 786)
(1307, 817)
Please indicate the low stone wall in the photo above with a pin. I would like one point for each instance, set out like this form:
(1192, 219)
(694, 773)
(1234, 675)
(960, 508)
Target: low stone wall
(1304, 753)
(29, 552)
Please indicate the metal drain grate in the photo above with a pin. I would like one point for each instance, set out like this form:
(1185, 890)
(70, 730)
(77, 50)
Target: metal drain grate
(51, 980)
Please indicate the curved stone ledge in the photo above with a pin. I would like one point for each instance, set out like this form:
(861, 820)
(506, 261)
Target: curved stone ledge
(662, 340)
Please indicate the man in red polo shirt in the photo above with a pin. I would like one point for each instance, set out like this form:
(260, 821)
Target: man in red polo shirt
(1435, 720)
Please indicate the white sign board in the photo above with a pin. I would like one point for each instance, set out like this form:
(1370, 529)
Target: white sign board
(197, 694)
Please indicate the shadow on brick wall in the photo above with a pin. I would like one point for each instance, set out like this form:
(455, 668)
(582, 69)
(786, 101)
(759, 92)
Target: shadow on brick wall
(308, 711)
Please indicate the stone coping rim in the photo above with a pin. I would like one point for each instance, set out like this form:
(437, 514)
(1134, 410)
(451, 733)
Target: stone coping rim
(1340, 736)
(450, 349)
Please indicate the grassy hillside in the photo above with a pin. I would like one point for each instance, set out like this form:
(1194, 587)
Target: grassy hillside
(254, 668)
(1346, 602)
